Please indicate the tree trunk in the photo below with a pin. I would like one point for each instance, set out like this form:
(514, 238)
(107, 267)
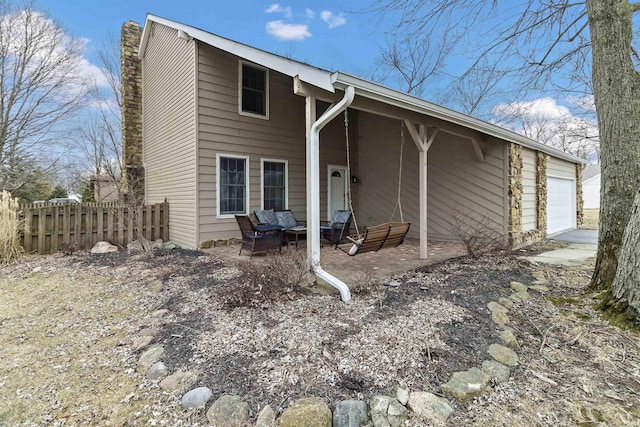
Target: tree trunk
(616, 87)
(626, 285)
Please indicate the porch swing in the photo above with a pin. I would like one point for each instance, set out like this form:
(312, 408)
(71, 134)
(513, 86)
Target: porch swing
(386, 235)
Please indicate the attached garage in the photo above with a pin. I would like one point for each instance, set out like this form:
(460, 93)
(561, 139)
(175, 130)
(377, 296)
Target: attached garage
(561, 204)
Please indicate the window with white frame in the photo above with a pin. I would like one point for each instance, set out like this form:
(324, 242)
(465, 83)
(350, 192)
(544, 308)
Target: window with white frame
(254, 90)
(233, 184)
(274, 184)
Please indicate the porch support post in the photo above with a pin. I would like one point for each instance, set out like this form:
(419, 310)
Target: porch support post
(310, 118)
(423, 143)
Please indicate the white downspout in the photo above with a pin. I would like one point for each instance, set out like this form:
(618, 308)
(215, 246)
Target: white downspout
(313, 193)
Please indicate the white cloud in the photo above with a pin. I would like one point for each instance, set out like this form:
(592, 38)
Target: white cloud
(546, 121)
(310, 13)
(332, 20)
(283, 31)
(276, 8)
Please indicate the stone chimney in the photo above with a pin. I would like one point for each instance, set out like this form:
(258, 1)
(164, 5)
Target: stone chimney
(132, 182)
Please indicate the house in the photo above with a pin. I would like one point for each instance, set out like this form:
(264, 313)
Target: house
(105, 189)
(591, 186)
(221, 128)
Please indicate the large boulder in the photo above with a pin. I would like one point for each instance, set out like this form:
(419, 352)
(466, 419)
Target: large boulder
(466, 385)
(178, 382)
(350, 413)
(306, 412)
(229, 411)
(196, 398)
(152, 355)
(387, 411)
(103, 248)
(429, 406)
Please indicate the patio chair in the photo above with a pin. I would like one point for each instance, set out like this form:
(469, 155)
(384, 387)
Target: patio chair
(338, 228)
(258, 239)
(388, 235)
(283, 218)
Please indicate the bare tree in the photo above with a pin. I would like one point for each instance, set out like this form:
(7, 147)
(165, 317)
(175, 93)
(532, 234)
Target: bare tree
(558, 44)
(100, 136)
(41, 86)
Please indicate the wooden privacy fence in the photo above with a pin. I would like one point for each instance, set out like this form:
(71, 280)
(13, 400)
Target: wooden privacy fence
(49, 228)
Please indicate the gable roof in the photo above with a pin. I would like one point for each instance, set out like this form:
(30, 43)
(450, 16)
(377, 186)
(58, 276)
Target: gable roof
(332, 81)
(591, 171)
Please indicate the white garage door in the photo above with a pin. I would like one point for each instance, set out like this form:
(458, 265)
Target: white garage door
(561, 202)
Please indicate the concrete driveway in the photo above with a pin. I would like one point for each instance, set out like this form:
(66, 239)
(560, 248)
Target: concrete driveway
(589, 237)
(583, 245)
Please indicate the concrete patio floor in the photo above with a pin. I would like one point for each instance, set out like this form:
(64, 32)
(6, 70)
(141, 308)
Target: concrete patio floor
(366, 267)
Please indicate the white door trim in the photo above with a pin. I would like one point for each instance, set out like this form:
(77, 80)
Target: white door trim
(343, 169)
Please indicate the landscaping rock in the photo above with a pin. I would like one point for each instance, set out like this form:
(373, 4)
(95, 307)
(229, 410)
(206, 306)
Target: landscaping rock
(494, 306)
(539, 288)
(508, 338)
(350, 413)
(430, 406)
(538, 275)
(386, 411)
(503, 354)
(156, 244)
(206, 244)
(266, 417)
(506, 302)
(196, 398)
(167, 246)
(229, 411)
(540, 282)
(142, 342)
(103, 248)
(150, 356)
(500, 318)
(520, 296)
(178, 382)
(157, 371)
(135, 246)
(496, 371)
(518, 287)
(402, 394)
(148, 332)
(466, 385)
(309, 411)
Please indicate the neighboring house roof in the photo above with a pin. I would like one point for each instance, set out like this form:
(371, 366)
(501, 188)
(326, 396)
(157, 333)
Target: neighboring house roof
(330, 81)
(591, 171)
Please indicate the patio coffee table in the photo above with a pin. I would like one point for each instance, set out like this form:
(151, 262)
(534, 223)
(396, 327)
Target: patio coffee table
(295, 233)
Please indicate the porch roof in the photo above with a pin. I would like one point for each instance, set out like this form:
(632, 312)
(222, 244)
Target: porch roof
(332, 81)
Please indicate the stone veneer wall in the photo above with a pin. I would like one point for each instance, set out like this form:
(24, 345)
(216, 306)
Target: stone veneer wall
(515, 194)
(541, 192)
(579, 197)
(516, 236)
(132, 182)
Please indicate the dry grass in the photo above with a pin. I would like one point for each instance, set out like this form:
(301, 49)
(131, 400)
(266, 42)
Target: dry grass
(63, 353)
(10, 226)
(591, 217)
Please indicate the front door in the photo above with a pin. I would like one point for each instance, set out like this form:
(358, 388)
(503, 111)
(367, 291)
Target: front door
(337, 189)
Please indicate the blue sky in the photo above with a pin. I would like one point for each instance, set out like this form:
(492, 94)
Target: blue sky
(327, 34)
(320, 32)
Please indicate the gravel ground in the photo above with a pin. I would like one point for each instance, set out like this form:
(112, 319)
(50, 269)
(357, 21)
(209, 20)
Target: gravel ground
(67, 323)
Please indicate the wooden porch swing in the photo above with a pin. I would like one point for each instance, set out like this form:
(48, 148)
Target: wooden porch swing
(386, 235)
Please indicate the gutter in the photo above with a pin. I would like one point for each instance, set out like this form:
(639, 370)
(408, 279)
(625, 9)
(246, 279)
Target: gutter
(314, 161)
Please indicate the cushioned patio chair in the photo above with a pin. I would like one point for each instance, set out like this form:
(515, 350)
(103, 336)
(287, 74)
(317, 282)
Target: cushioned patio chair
(338, 228)
(284, 218)
(259, 239)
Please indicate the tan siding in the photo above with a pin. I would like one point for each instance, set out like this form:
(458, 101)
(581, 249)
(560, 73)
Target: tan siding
(169, 129)
(528, 190)
(456, 180)
(223, 130)
(561, 168)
